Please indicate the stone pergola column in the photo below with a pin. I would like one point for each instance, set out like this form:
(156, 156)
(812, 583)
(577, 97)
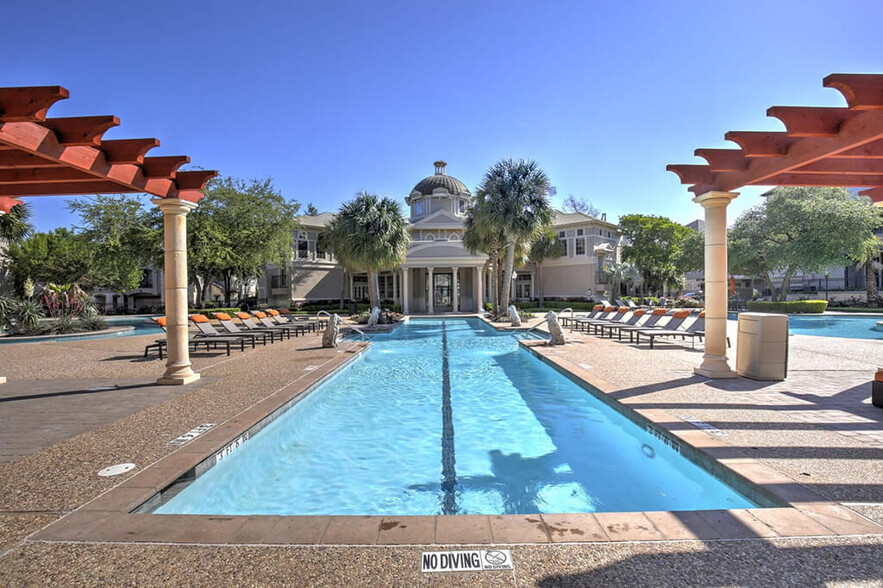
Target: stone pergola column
(714, 362)
(406, 290)
(429, 291)
(455, 297)
(178, 370)
(479, 289)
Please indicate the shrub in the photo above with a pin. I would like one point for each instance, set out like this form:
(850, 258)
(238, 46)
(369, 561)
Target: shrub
(66, 324)
(93, 323)
(26, 315)
(794, 306)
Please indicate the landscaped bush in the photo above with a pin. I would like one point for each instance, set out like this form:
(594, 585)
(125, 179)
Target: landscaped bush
(211, 313)
(556, 305)
(93, 323)
(793, 306)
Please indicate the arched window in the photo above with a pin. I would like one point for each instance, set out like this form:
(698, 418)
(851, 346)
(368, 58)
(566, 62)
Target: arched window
(454, 237)
(428, 236)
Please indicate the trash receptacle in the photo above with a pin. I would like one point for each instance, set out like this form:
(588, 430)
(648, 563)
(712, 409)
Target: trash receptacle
(762, 346)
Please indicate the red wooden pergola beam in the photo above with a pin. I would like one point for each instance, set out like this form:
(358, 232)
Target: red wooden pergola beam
(81, 130)
(843, 167)
(873, 149)
(30, 103)
(10, 159)
(53, 175)
(760, 143)
(692, 174)
(65, 188)
(723, 159)
(127, 150)
(194, 179)
(875, 194)
(6, 204)
(163, 167)
(862, 91)
(805, 121)
(842, 180)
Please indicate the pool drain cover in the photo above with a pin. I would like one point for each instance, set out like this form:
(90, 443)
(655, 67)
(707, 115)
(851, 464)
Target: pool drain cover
(116, 470)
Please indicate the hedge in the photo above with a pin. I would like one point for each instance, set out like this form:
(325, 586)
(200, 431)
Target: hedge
(210, 312)
(555, 305)
(793, 306)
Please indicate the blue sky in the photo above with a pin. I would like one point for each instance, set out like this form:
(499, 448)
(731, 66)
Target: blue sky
(330, 98)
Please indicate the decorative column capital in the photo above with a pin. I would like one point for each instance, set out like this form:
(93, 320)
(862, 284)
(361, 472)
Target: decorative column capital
(715, 199)
(174, 205)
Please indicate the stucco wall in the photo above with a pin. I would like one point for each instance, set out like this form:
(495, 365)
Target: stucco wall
(560, 282)
(316, 283)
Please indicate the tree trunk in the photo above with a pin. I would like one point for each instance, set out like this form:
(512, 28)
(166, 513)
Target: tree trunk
(540, 283)
(871, 284)
(228, 287)
(786, 284)
(372, 290)
(507, 275)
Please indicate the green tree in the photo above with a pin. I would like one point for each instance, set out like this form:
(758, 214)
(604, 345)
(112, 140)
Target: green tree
(481, 235)
(369, 233)
(620, 274)
(800, 229)
(61, 257)
(124, 235)
(546, 246)
(238, 228)
(691, 256)
(312, 210)
(16, 225)
(655, 247)
(513, 195)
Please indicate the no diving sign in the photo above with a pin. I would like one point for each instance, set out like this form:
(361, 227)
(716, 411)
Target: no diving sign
(478, 560)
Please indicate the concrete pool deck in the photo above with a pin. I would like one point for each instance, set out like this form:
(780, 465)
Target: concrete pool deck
(816, 431)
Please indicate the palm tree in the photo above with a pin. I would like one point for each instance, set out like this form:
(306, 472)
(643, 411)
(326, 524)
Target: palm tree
(369, 233)
(546, 246)
(16, 225)
(481, 235)
(517, 204)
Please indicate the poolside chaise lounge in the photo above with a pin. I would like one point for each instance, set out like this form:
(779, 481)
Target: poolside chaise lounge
(247, 321)
(673, 328)
(161, 344)
(616, 326)
(206, 329)
(617, 317)
(230, 327)
(584, 324)
(650, 322)
(567, 321)
(277, 318)
(291, 327)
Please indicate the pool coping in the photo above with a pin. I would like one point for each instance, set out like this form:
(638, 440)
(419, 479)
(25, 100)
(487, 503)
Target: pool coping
(111, 517)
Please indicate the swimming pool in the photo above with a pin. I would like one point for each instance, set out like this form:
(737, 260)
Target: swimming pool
(450, 417)
(831, 325)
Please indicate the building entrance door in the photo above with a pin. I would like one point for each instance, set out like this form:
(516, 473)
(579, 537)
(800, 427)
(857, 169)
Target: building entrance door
(442, 291)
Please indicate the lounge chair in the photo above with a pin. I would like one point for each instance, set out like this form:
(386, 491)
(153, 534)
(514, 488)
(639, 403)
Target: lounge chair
(291, 327)
(230, 327)
(672, 328)
(584, 324)
(277, 318)
(249, 324)
(206, 329)
(567, 321)
(161, 344)
(615, 326)
(654, 317)
(617, 316)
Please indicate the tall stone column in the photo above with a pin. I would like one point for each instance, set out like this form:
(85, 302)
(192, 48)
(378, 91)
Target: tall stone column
(479, 289)
(455, 296)
(178, 370)
(406, 291)
(714, 362)
(429, 292)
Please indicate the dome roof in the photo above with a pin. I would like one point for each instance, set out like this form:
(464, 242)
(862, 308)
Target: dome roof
(440, 180)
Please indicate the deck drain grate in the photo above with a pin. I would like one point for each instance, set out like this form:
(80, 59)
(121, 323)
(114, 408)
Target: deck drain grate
(710, 429)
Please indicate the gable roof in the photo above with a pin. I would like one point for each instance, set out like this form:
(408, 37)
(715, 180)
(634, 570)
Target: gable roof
(438, 220)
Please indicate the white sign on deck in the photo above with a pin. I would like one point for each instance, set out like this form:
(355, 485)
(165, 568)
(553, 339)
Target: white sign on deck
(478, 560)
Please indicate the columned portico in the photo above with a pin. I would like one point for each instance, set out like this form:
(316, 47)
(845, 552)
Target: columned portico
(714, 362)
(178, 370)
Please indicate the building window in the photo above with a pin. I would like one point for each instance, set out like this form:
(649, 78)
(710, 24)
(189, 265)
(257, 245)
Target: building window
(579, 232)
(146, 279)
(303, 250)
(418, 207)
(522, 285)
(278, 281)
(454, 237)
(462, 206)
(429, 236)
(581, 246)
(320, 253)
(360, 287)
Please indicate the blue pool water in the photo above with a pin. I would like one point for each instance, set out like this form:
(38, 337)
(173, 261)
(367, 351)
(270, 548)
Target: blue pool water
(832, 325)
(451, 417)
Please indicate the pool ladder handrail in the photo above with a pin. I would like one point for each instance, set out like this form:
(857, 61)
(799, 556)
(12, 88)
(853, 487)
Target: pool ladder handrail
(359, 331)
(537, 326)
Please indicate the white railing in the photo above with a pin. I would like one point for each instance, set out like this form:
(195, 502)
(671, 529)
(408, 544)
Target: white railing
(571, 316)
(359, 331)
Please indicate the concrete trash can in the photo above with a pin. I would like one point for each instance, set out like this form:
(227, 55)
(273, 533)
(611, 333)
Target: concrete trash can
(762, 349)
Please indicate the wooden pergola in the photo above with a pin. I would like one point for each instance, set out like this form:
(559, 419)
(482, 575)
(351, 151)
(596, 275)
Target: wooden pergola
(840, 147)
(42, 156)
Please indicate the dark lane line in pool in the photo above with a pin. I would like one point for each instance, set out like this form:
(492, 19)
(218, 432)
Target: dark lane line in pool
(449, 473)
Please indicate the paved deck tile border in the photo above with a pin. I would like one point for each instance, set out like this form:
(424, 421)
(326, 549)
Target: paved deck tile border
(111, 517)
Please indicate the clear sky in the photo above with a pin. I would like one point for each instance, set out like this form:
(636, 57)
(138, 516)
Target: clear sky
(330, 98)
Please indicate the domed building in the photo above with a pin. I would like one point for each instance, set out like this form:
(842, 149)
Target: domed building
(439, 274)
